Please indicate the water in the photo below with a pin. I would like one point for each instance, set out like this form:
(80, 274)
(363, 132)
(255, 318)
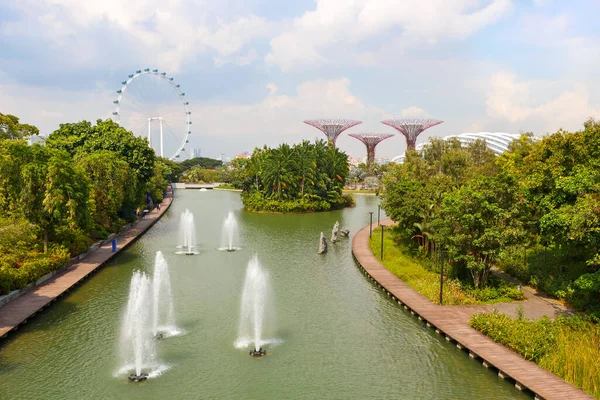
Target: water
(163, 313)
(339, 336)
(230, 233)
(256, 308)
(137, 345)
(187, 233)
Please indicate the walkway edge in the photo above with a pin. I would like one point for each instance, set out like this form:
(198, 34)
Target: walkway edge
(448, 322)
(19, 309)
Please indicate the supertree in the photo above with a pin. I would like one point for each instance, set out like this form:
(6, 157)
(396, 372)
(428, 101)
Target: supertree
(371, 140)
(411, 128)
(332, 128)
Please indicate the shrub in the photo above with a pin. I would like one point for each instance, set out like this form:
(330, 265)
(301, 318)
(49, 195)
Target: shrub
(568, 346)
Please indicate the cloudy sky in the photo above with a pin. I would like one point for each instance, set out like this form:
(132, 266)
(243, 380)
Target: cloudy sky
(252, 70)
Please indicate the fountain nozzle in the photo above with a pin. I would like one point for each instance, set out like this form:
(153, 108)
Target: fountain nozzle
(138, 378)
(258, 353)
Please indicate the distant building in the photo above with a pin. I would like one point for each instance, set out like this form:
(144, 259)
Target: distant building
(36, 139)
(224, 159)
(195, 153)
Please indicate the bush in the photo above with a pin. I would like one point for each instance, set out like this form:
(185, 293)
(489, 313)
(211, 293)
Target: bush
(568, 347)
(255, 201)
(31, 269)
(586, 291)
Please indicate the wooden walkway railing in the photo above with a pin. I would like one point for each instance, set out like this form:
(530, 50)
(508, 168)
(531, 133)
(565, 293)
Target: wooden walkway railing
(20, 309)
(453, 323)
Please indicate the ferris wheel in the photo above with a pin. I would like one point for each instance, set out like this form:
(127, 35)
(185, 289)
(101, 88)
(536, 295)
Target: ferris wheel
(152, 105)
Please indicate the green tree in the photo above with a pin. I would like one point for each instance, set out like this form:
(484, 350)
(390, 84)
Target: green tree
(109, 178)
(479, 220)
(11, 128)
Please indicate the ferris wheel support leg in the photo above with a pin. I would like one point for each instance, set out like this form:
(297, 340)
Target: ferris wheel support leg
(161, 139)
(149, 136)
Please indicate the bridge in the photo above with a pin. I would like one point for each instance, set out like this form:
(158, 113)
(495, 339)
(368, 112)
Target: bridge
(183, 185)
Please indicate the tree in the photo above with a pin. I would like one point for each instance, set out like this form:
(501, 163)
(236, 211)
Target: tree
(109, 178)
(479, 220)
(11, 128)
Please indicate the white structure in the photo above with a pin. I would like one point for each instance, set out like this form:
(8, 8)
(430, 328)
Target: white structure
(498, 142)
(36, 139)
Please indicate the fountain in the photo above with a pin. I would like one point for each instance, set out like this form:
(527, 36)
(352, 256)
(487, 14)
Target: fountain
(255, 300)
(137, 346)
(335, 232)
(322, 244)
(187, 234)
(230, 233)
(163, 316)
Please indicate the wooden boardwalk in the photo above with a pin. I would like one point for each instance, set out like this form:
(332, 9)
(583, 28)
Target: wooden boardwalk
(452, 322)
(20, 309)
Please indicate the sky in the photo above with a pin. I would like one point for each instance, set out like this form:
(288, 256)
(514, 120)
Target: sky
(253, 70)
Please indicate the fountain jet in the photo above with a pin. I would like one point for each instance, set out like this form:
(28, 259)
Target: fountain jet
(163, 315)
(187, 234)
(230, 233)
(137, 347)
(255, 300)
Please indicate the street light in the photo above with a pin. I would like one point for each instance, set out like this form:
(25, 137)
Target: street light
(371, 225)
(382, 226)
(378, 214)
(442, 280)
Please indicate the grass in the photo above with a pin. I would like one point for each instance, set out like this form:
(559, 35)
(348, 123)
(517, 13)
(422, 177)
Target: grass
(427, 282)
(569, 347)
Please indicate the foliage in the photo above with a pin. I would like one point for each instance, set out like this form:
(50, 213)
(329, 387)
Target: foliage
(541, 197)
(55, 198)
(11, 128)
(300, 178)
(197, 174)
(424, 276)
(109, 176)
(202, 162)
(568, 346)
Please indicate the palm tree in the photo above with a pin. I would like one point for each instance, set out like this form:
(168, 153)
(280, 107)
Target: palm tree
(278, 173)
(305, 164)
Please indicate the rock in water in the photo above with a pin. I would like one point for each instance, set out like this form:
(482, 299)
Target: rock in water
(345, 232)
(322, 244)
(335, 231)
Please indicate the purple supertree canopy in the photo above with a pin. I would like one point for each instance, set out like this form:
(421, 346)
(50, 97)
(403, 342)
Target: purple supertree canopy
(332, 128)
(411, 127)
(371, 140)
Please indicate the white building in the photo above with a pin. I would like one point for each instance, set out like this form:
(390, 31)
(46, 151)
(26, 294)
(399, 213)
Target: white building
(498, 142)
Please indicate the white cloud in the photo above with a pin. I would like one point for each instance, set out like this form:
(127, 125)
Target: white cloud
(345, 22)
(515, 102)
(220, 127)
(412, 111)
(168, 31)
(32, 105)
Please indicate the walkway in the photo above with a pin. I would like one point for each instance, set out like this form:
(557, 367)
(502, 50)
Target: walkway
(18, 310)
(452, 321)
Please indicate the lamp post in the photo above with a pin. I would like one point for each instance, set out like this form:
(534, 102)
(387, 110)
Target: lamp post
(378, 214)
(442, 281)
(371, 225)
(382, 226)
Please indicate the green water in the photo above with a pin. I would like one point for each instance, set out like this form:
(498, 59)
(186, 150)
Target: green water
(341, 338)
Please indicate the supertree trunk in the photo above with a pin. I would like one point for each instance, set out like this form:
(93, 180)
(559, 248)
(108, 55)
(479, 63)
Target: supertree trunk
(371, 140)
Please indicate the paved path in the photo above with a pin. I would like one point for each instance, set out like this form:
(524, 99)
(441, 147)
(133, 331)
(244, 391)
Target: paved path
(452, 321)
(18, 310)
